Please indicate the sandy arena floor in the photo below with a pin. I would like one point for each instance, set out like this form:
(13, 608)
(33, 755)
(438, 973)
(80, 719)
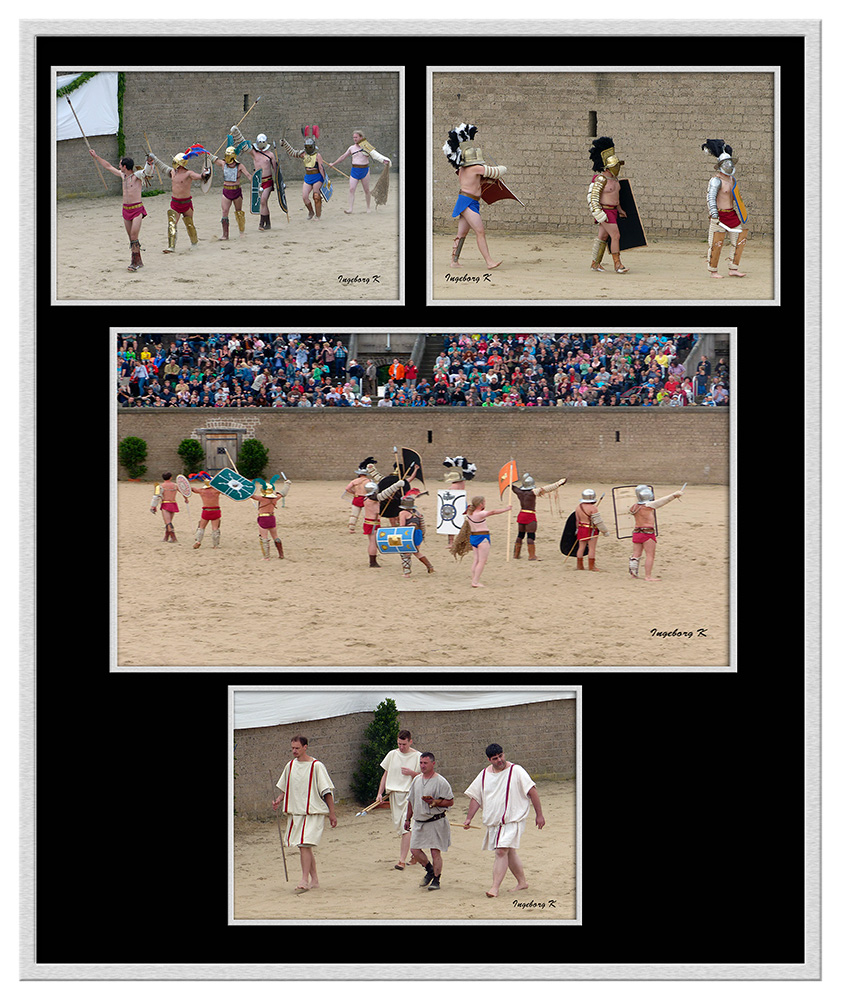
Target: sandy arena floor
(322, 606)
(556, 267)
(358, 880)
(337, 258)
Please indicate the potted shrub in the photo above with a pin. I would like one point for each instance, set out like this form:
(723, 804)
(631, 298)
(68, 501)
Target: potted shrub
(252, 459)
(191, 454)
(132, 452)
(380, 737)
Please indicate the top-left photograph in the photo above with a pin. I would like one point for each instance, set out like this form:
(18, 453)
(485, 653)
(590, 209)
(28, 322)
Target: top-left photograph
(212, 185)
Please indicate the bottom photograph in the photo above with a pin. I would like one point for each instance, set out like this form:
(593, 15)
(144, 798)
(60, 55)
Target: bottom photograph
(362, 805)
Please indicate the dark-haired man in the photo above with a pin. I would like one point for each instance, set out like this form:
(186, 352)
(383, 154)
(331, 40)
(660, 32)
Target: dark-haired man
(430, 796)
(504, 791)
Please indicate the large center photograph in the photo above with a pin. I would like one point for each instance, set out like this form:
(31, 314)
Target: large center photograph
(486, 499)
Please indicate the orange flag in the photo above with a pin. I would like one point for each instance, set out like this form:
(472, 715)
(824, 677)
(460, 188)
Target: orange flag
(507, 476)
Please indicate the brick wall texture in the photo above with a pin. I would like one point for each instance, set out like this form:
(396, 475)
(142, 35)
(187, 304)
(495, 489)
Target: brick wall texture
(540, 125)
(176, 109)
(541, 736)
(621, 445)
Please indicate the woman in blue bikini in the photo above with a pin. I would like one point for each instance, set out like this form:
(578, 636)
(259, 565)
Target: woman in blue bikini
(360, 152)
(474, 535)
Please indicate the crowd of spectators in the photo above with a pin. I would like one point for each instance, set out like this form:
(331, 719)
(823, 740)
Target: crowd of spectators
(539, 369)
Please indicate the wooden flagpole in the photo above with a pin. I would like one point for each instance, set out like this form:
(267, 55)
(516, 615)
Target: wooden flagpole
(280, 832)
(508, 543)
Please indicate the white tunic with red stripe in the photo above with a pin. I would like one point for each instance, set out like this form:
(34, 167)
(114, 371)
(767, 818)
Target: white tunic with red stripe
(503, 796)
(303, 785)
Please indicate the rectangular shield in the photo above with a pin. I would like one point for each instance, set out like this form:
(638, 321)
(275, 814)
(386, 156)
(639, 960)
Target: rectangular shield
(406, 539)
(741, 211)
(452, 508)
(631, 231)
(233, 485)
(256, 191)
(624, 497)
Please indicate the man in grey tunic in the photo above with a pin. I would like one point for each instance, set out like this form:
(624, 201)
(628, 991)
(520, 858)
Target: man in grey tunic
(430, 796)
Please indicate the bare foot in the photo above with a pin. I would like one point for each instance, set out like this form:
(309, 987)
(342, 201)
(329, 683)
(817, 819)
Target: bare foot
(490, 893)
(477, 585)
(348, 211)
(519, 888)
(737, 274)
(652, 579)
(491, 264)
(714, 274)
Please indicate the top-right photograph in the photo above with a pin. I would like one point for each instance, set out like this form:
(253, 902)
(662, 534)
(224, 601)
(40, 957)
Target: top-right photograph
(579, 187)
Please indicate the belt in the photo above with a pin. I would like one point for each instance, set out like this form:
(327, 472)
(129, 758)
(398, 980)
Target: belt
(432, 818)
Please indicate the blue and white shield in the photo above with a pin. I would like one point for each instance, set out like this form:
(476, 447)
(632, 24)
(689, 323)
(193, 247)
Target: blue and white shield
(233, 485)
(406, 539)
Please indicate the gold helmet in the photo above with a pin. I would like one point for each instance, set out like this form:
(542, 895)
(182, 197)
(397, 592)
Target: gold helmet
(179, 161)
(231, 155)
(603, 156)
(472, 156)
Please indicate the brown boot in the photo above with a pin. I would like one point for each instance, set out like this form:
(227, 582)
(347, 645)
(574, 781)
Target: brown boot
(591, 564)
(136, 261)
(618, 266)
(279, 547)
(225, 228)
(517, 547)
(372, 562)
(580, 561)
(532, 556)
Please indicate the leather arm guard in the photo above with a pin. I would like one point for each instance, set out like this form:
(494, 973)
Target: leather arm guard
(389, 491)
(593, 195)
(598, 521)
(661, 502)
(373, 153)
(552, 487)
(712, 194)
(165, 167)
(494, 173)
(291, 150)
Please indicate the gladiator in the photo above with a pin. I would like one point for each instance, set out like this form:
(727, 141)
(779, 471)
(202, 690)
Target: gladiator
(527, 518)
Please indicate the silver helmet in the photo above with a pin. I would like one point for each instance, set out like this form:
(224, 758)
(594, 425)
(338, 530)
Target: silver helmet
(588, 496)
(527, 482)
(644, 493)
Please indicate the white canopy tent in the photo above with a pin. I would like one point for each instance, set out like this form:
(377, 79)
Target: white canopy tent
(95, 104)
(257, 707)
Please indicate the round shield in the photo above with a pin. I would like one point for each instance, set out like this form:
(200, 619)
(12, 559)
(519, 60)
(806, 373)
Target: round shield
(406, 539)
(183, 484)
(569, 538)
(207, 183)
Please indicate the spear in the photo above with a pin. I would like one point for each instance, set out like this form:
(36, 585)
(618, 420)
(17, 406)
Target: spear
(247, 113)
(86, 139)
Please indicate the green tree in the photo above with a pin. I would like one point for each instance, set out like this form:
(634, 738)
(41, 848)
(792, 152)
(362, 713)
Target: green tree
(380, 737)
(132, 452)
(252, 459)
(191, 454)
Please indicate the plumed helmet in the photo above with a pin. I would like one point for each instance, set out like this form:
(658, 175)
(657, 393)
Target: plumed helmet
(603, 156)
(457, 135)
(719, 149)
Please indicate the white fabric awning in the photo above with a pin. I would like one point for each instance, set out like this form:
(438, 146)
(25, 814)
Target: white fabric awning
(95, 104)
(276, 707)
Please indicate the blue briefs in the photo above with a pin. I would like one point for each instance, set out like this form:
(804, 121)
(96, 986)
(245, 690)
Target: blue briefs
(476, 540)
(359, 172)
(313, 178)
(465, 201)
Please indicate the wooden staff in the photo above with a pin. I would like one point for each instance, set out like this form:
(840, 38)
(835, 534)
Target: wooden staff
(247, 113)
(280, 832)
(373, 805)
(152, 154)
(86, 140)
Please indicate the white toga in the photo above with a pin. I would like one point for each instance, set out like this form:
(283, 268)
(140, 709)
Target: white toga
(503, 796)
(397, 784)
(303, 786)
